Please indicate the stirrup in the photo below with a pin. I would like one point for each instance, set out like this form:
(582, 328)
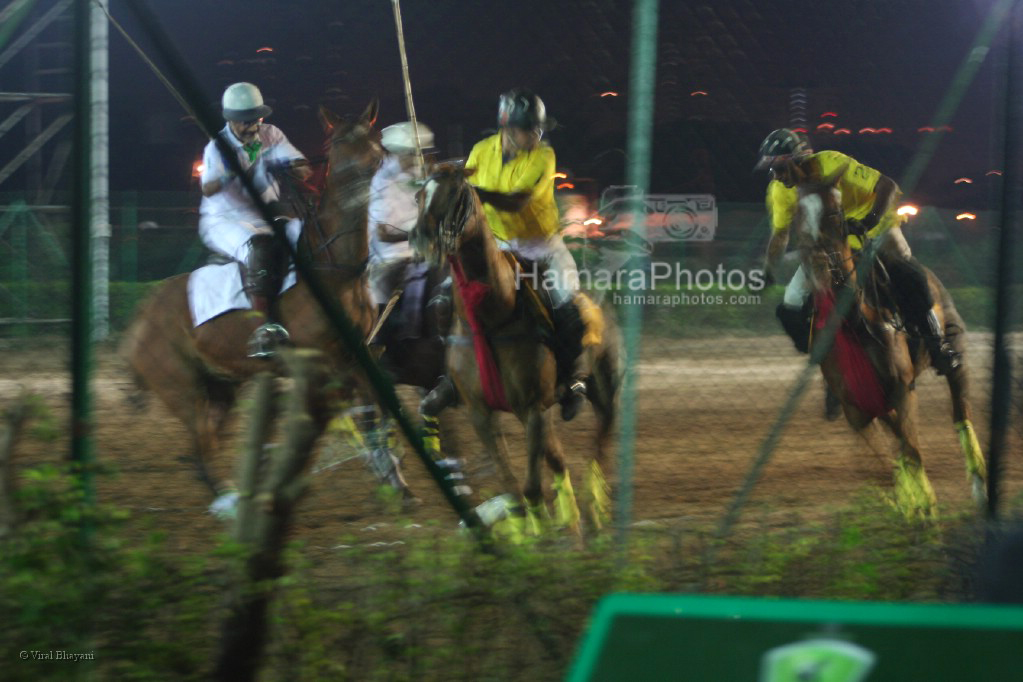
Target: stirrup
(266, 339)
(945, 358)
(573, 400)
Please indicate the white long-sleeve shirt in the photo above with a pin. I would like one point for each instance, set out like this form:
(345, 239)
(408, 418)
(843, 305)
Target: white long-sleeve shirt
(233, 202)
(392, 201)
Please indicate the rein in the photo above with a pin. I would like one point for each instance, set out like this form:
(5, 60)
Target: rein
(454, 220)
(325, 241)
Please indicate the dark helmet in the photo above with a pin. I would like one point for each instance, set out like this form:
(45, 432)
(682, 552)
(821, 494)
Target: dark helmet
(783, 144)
(521, 108)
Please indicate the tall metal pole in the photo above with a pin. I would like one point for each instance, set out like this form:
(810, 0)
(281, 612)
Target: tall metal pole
(100, 171)
(640, 131)
(81, 270)
(1001, 381)
(409, 106)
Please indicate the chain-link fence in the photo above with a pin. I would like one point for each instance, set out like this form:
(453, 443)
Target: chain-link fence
(684, 275)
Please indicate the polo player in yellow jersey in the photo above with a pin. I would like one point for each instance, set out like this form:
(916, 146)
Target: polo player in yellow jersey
(514, 179)
(868, 202)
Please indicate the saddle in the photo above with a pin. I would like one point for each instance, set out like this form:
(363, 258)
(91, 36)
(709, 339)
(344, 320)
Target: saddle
(589, 327)
(414, 316)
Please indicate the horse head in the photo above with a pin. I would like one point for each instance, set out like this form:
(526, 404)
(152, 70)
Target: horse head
(447, 204)
(821, 233)
(353, 154)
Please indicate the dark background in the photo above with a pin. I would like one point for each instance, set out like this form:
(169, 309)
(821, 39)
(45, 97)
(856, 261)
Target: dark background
(876, 63)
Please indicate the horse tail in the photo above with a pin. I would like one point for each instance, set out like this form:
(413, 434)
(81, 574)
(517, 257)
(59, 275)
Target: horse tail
(608, 362)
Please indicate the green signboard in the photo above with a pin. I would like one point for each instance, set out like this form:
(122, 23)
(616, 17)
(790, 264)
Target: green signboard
(730, 639)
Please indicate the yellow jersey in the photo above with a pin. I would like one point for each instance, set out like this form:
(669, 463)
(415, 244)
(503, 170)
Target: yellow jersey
(532, 172)
(856, 184)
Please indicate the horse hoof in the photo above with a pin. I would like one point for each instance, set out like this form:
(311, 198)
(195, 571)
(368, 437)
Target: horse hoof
(225, 507)
(979, 491)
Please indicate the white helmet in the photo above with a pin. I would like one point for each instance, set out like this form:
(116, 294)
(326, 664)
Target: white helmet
(243, 102)
(400, 137)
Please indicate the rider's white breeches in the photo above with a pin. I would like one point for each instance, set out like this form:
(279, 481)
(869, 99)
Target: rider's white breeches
(562, 276)
(231, 237)
(893, 244)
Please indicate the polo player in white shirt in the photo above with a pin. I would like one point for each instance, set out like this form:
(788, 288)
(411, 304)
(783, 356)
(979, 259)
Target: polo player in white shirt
(393, 209)
(229, 222)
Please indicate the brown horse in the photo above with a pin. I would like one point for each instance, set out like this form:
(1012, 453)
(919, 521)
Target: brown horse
(196, 371)
(453, 228)
(881, 385)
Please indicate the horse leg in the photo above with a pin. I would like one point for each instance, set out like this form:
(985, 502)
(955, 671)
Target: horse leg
(602, 390)
(566, 509)
(537, 432)
(482, 421)
(914, 495)
(962, 413)
(379, 454)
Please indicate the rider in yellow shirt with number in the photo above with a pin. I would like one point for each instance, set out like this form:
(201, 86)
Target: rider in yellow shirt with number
(514, 179)
(868, 201)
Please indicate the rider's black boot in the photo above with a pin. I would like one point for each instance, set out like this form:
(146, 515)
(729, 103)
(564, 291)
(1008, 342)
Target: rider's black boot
(568, 335)
(796, 323)
(263, 275)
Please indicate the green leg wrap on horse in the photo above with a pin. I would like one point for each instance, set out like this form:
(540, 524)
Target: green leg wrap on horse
(566, 509)
(976, 467)
(538, 518)
(511, 528)
(975, 464)
(599, 493)
(431, 437)
(914, 496)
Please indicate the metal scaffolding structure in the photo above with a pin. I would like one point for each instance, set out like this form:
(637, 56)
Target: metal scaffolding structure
(36, 49)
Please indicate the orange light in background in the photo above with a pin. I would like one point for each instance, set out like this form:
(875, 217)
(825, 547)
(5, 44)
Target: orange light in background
(609, 93)
(993, 172)
(694, 93)
(966, 216)
(197, 169)
(843, 131)
(960, 181)
(829, 113)
(801, 130)
(593, 221)
(265, 49)
(925, 129)
(884, 130)
(826, 126)
(908, 209)
(565, 185)
(867, 130)
(561, 175)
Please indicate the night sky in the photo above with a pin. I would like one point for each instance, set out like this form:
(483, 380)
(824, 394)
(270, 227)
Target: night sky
(876, 63)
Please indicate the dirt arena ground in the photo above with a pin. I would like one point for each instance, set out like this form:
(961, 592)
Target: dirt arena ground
(703, 409)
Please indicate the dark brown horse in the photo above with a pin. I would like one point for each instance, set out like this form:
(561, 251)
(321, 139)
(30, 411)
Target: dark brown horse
(882, 385)
(196, 371)
(452, 228)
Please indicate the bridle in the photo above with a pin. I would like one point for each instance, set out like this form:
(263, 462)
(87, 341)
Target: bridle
(357, 179)
(451, 226)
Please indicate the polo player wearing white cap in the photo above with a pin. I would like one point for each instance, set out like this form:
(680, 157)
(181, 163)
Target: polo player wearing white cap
(393, 210)
(229, 222)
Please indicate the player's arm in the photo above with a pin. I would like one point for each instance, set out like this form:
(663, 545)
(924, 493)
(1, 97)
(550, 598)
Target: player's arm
(884, 193)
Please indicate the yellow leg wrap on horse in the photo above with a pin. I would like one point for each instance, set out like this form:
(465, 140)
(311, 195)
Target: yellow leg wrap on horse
(538, 518)
(431, 436)
(593, 318)
(914, 495)
(346, 425)
(975, 465)
(600, 496)
(512, 528)
(566, 509)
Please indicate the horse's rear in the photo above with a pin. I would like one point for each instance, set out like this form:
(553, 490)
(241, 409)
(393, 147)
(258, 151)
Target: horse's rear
(160, 349)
